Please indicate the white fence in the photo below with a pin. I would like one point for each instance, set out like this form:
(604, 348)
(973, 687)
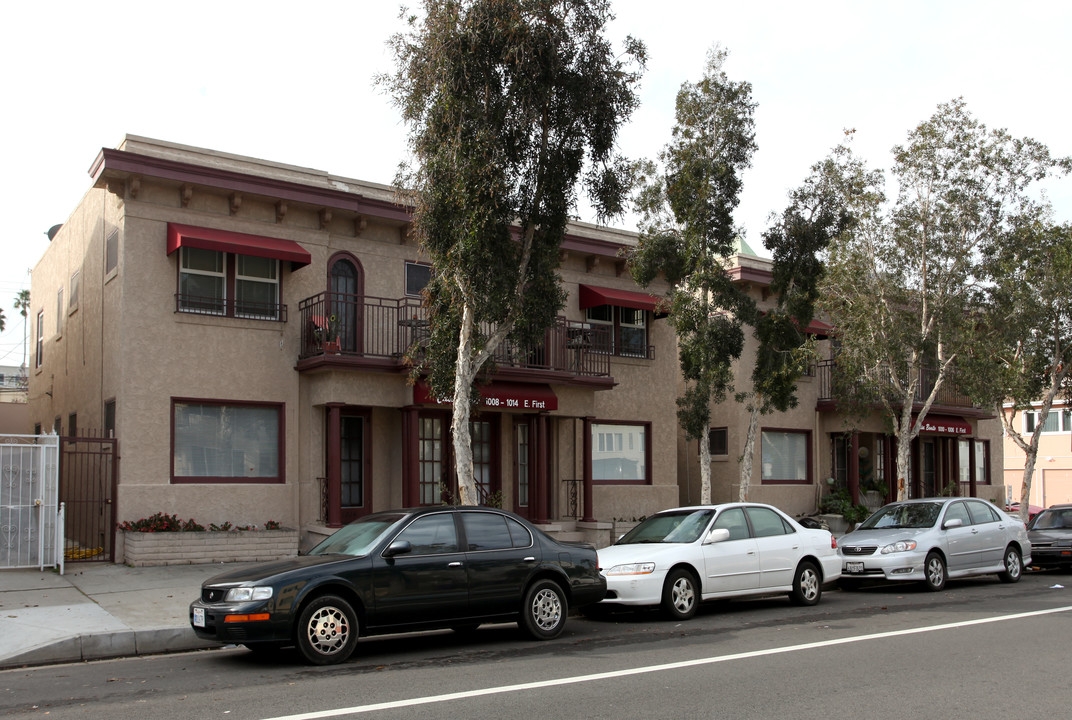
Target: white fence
(31, 517)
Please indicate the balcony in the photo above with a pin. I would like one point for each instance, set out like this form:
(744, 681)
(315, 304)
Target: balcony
(949, 397)
(372, 333)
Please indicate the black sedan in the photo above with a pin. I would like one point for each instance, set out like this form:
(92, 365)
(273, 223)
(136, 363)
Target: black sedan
(397, 571)
(1050, 533)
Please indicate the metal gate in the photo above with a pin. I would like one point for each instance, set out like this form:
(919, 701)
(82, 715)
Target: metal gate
(88, 472)
(31, 517)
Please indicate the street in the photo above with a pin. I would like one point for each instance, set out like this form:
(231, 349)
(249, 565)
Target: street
(981, 649)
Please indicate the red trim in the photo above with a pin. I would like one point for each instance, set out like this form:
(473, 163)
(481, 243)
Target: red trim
(499, 396)
(237, 243)
(592, 296)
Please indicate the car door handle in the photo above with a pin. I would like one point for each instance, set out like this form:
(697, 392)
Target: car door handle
(751, 552)
(530, 559)
(454, 564)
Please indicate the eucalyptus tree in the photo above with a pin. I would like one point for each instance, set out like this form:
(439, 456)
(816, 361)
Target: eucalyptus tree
(818, 211)
(1022, 363)
(509, 103)
(687, 233)
(903, 287)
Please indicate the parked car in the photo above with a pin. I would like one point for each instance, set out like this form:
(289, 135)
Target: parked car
(677, 558)
(1014, 509)
(933, 539)
(1050, 533)
(401, 570)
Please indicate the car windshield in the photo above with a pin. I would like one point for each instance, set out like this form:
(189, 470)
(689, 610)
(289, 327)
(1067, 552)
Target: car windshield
(359, 537)
(671, 527)
(1053, 520)
(903, 515)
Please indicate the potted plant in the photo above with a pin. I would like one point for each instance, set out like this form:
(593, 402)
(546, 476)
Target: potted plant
(327, 332)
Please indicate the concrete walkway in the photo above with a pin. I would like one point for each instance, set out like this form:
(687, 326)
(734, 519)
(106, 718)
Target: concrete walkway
(98, 610)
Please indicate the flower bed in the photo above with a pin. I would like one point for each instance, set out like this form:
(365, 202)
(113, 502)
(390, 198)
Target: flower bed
(166, 540)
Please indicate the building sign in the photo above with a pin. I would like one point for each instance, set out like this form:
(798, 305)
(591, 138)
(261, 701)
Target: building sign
(498, 396)
(945, 425)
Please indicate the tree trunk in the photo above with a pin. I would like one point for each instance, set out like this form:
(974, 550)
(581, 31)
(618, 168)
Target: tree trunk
(904, 465)
(749, 453)
(465, 371)
(705, 465)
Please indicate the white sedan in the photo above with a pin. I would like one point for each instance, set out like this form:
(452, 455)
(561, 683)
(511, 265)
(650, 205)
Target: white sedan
(678, 558)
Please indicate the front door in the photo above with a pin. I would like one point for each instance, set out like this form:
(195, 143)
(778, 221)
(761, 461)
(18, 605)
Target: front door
(353, 463)
(731, 565)
(930, 467)
(523, 468)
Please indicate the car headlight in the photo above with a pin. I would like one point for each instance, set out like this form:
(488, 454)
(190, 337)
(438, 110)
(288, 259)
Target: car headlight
(632, 569)
(899, 546)
(245, 594)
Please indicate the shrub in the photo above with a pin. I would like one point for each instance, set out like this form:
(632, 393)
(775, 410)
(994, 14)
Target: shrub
(161, 522)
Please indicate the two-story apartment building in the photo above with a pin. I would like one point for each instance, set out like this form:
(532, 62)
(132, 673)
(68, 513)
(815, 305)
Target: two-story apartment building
(1051, 482)
(241, 327)
(803, 453)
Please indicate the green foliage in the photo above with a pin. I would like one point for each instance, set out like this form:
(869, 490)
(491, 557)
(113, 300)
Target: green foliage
(162, 522)
(839, 502)
(687, 203)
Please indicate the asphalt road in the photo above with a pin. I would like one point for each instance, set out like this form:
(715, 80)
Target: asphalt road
(979, 650)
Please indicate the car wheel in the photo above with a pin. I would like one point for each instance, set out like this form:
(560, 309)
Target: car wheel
(544, 610)
(1014, 566)
(807, 585)
(327, 630)
(680, 598)
(934, 572)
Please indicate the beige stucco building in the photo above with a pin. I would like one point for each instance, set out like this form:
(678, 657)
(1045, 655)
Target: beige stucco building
(1051, 482)
(240, 326)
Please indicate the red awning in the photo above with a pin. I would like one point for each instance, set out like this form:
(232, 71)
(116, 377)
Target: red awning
(237, 243)
(499, 396)
(592, 296)
(819, 328)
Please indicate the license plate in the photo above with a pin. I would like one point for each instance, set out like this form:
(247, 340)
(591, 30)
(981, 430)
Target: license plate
(199, 617)
(854, 567)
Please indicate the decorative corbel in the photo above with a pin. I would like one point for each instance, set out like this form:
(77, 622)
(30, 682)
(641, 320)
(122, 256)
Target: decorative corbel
(619, 266)
(591, 262)
(133, 185)
(236, 202)
(325, 218)
(360, 223)
(187, 194)
(404, 232)
(563, 256)
(280, 211)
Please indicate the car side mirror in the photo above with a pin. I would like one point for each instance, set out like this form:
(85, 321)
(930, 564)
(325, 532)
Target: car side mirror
(952, 523)
(716, 536)
(398, 547)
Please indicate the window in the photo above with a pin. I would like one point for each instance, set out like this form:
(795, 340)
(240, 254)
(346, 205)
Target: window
(982, 512)
(957, 511)
(61, 312)
(486, 531)
(417, 277)
(624, 330)
(982, 462)
(430, 457)
(785, 456)
(1056, 421)
(767, 523)
(209, 279)
(431, 535)
(72, 303)
(39, 358)
(612, 462)
(109, 419)
(221, 442)
(72, 424)
(718, 441)
(111, 252)
(732, 519)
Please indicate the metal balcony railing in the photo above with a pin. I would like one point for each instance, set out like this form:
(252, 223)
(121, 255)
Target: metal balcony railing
(363, 326)
(949, 394)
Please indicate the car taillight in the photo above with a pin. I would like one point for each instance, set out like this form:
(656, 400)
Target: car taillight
(833, 543)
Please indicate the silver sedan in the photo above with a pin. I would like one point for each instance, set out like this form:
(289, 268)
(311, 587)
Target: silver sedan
(932, 540)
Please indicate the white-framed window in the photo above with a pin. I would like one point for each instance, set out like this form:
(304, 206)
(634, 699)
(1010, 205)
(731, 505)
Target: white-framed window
(61, 312)
(620, 452)
(203, 281)
(1056, 421)
(40, 356)
(76, 282)
(256, 287)
(626, 330)
(784, 456)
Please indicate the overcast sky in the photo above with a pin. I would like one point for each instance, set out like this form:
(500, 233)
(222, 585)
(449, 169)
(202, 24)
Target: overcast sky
(291, 82)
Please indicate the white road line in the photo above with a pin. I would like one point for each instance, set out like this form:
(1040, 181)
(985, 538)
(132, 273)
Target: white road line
(359, 709)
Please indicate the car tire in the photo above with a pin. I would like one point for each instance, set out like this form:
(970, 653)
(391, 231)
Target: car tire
(681, 597)
(327, 630)
(544, 610)
(807, 585)
(1014, 566)
(934, 574)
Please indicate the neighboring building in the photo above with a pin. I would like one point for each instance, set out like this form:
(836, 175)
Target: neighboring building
(14, 410)
(240, 327)
(801, 453)
(1051, 482)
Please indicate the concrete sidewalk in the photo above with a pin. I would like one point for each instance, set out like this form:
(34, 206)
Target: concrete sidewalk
(98, 610)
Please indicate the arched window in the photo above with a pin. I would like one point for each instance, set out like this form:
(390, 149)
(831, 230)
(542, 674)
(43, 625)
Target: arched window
(345, 300)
